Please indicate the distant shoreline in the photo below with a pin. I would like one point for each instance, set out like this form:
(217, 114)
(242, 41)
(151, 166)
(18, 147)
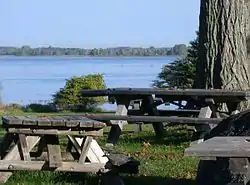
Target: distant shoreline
(179, 49)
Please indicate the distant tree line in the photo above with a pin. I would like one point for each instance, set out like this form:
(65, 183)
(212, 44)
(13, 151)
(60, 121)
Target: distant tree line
(179, 49)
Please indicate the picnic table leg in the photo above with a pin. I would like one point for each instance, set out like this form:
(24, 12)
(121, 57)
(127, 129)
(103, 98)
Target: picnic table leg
(116, 129)
(151, 109)
(13, 154)
(200, 130)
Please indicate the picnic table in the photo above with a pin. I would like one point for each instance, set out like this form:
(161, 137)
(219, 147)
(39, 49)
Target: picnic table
(201, 103)
(33, 143)
(231, 155)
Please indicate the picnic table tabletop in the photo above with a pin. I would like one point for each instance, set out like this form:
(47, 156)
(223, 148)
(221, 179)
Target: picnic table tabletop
(52, 121)
(171, 93)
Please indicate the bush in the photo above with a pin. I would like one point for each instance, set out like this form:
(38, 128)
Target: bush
(13, 108)
(36, 107)
(70, 98)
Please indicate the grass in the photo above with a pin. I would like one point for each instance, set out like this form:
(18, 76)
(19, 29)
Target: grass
(162, 161)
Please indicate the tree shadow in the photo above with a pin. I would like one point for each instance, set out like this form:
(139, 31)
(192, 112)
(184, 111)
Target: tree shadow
(171, 137)
(84, 179)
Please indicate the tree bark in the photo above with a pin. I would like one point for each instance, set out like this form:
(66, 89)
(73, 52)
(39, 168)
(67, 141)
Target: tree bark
(223, 46)
(224, 63)
(247, 2)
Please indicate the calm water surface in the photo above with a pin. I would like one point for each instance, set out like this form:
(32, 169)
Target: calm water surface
(27, 80)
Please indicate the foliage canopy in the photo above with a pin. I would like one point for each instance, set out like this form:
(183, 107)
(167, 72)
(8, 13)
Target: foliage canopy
(181, 72)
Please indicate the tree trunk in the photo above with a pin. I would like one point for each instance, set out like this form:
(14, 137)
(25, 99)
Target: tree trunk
(247, 2)
(224, 64)
(222, 45)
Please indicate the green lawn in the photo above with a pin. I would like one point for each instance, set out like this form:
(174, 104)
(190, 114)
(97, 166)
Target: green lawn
(162, 161)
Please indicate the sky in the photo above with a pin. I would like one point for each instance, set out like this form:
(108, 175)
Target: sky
(98, 23)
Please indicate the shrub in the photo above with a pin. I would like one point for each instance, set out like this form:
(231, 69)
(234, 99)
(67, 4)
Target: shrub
(69, 97)
(43, 108)
(180, 73)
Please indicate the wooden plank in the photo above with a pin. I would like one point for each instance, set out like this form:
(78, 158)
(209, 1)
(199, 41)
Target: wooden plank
(83, 122)
(43, 156)
(54, 151)
(221, 147)
(58, 121)
(11, 120)
(23, 147)
(55, 121)
(72, 121)
(205, 112)
(120, 110)
(41, 147)
(6, 142)
(43, 121)
(117, 125)
(96, 133)
(13, 155)
(151, 119)
(28, 120)
(86, 123)
(95, 152)
(176, 112)
(151, 109)
(211, 103)
(16, 165)
(221, 93)
(76, 145)
(85, 149)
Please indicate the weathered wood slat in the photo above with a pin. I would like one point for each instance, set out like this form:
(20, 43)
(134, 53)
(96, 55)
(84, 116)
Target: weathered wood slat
(6, 142)
(28, 120)
(43, 121)
(221, 147)
(11, 120)
(53, 121)
(177, 112)
(151, 109)
(23, 149)
(66, 156)
(75, 144)
(243, 95)
(54, 151)
(13, 155)
(198, 137)
(85, 149)
(94, 133)
(153, 119)
(58, 121)
(117, 125)
(43, 165)
(72, 121)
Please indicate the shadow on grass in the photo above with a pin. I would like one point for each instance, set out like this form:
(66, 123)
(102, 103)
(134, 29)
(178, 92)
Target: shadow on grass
(173, 137)
(79, 178)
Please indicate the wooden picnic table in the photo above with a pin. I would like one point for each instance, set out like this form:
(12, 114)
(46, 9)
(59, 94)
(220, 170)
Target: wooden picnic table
(148, 99)
(32, 143)
(223, 158)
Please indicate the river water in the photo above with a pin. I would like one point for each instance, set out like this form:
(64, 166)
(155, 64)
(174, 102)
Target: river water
(26, 80)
